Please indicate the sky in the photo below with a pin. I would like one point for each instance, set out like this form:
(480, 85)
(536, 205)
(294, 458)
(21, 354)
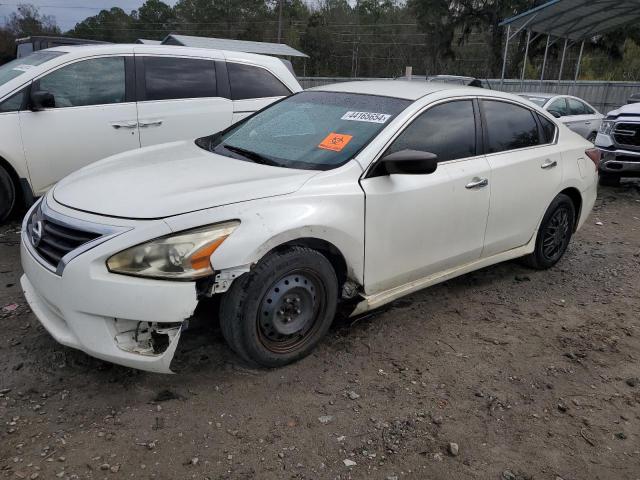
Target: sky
(69, 12)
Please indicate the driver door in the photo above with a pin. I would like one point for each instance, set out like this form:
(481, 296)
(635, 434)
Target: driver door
(94, 116)
(421, 224)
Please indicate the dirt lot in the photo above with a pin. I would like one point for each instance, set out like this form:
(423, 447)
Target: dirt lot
(534, 375)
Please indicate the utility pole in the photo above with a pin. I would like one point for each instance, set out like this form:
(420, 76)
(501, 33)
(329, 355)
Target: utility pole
(280, 21)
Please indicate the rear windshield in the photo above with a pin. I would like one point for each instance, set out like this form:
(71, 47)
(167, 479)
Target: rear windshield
(309, 130)
(17, 67)
(540, 101)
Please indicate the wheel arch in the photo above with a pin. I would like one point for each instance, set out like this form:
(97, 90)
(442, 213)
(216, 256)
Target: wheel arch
(326, 248)
(576, 198)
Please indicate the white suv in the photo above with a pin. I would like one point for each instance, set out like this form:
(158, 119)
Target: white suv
(66, 107)
(352, 194)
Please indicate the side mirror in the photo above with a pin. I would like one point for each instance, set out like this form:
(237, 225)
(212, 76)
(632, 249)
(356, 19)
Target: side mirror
(555, 113)
(409, 162)
(41, 99)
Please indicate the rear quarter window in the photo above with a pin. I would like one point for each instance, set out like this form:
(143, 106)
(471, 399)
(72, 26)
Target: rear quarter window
(248, 81)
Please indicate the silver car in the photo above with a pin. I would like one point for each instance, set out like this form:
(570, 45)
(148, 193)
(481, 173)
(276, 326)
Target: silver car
(574, 112)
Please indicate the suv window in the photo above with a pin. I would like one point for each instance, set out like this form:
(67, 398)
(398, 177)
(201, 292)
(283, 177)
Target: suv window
(13, 103)
(448, 130)
(559, 106)
(254, 82)
(509, 126)
(548, 129)
(576, 107)
(97, 81)
(169, 78)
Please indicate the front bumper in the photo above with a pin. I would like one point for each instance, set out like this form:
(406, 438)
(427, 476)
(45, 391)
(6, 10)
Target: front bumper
(622, 162)
(101, 313)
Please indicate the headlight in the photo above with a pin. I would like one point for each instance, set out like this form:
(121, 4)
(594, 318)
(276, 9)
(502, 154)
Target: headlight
(180, 256)
(606, 126)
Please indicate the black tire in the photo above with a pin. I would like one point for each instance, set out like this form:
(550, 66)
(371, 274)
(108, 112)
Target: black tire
(592, 137)
(277, 313)
(609, 180)
(554, 234)
(7, 195)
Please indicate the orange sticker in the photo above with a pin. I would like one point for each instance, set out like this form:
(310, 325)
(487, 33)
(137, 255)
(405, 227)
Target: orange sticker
(335, 141)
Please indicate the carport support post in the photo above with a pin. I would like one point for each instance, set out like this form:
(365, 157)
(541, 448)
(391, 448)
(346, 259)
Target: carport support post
(524, 61)
(575, 80)
(564, 52)
(504, 60)
(544, 60)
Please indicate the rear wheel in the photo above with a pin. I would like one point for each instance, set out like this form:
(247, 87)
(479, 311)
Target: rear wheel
(277, 313)
(7, 194)
(592, 137)
(554, 234)
(609, 180)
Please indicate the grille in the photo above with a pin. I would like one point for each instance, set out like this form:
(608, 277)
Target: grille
(53, 241)
(627, 134)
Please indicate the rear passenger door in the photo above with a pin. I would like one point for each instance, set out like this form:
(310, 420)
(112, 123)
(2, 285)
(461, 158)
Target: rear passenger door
(525, 172)
(253, 88)
(178, 99)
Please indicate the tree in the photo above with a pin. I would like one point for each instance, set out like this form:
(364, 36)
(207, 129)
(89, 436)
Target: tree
(27, 20)
(113, 25)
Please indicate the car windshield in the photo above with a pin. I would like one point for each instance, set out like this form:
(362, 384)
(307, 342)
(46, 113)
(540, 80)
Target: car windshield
(17, 67)
(309, 130)
(540, 101)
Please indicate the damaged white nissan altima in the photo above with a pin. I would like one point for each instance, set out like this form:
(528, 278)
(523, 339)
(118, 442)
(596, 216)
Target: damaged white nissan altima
(352, 194)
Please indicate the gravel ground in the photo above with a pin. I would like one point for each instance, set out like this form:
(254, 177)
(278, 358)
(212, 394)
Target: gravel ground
(532, 375)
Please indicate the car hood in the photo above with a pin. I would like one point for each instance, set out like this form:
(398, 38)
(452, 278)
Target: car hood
(630, 109)
(171, 179)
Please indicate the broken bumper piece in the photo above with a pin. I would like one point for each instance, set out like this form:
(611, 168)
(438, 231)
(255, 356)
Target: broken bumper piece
(129, 321)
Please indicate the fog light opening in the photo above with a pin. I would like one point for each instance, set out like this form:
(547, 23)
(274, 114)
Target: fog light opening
(148, 338)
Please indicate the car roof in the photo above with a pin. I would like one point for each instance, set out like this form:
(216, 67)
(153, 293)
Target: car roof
(540, 95)
(388, 88)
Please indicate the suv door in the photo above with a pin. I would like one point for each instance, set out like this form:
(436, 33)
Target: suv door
(94, 116)
(253, 88)
(525, 172)
(178, 99)
(419, 225)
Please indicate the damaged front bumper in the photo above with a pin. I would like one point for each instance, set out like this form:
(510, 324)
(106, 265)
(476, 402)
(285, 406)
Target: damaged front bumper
(129, 321)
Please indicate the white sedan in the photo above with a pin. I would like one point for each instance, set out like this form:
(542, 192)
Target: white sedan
(574, 112)
(352, 194)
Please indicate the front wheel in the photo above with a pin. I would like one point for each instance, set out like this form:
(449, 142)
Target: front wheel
(277, 313)
(7, 195)
(554, 234)
(592, 137)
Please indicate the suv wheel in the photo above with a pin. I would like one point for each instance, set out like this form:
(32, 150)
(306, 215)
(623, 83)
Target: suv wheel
(554, 234)
(7, 194)
(609, 180)
(277, 313)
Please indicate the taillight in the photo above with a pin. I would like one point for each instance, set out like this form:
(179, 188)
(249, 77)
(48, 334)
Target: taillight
(595, 155)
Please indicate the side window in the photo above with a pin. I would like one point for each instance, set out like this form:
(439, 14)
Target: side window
(13, 103)
(97, 81)
(509, 126)
(576, 107)
(253, 82)
(548, 129)
(448, 130)
(169, 78)
(559, 106)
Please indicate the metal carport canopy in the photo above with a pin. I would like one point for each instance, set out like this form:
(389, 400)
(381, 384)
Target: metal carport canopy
(576, 19)
(571, 20)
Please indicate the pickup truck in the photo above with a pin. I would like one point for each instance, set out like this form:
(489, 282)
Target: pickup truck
(619, 141)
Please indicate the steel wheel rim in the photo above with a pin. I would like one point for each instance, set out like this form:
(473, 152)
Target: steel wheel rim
(556, 234)
(290, 310)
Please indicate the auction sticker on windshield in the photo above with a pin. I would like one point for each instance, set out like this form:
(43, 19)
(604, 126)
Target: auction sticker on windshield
(335, 141)
(366, 117)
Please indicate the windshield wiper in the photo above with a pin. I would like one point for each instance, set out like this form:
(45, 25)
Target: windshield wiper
(256, 157)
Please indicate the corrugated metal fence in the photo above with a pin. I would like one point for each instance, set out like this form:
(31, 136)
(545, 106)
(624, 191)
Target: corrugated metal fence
(605, 96)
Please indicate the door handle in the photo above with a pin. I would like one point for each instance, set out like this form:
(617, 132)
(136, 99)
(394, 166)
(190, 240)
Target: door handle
(150, 123)
(477, 182)
(549, 164)
(587, 123)
(119, 125)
